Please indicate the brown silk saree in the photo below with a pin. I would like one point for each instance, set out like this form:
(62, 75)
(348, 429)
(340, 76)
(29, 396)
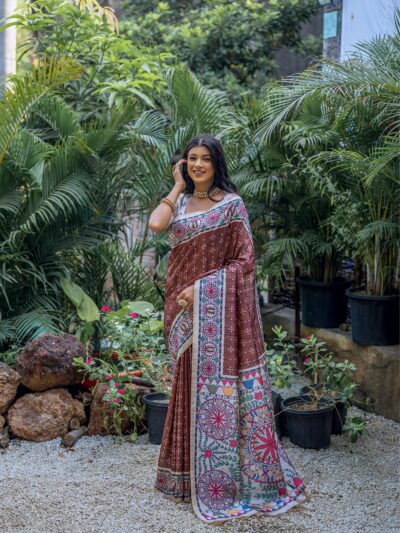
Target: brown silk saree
(220, 448)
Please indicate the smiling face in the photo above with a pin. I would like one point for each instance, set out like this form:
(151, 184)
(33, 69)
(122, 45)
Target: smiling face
(200, 167)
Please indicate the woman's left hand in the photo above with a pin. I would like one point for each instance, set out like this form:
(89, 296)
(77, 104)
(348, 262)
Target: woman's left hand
(188, 295)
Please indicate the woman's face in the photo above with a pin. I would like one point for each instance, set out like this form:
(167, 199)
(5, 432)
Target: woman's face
(199, 166)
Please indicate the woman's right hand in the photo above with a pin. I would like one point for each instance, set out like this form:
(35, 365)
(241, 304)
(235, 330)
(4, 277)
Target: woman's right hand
(177, 173)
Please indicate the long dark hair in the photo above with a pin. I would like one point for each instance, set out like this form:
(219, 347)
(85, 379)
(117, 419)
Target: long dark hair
(221, 177)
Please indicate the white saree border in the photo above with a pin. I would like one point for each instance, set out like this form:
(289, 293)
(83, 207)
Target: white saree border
(237, 466)
(194, 404)
(180, 336)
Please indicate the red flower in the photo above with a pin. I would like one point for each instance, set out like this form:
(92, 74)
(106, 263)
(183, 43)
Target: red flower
(307, 360)
(106, 308)
(208, 453)
(89, 362)
(258, 395)
(109, 378)
(150, 351)
(121, 391)
(134, 315)
(232, 443)
(297, 481)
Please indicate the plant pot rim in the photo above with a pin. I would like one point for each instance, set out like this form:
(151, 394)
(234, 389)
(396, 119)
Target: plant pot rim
(302, 398)
(339, 281)
(354, 295)
(153, 399)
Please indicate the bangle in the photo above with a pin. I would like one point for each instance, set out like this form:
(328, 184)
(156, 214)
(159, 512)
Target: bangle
(168, 202)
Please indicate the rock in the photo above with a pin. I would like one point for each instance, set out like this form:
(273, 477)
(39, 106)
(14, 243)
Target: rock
(4, 438)
(2, 422)
(44, 416)
(9, 381)
(46, 363)
(101, 416)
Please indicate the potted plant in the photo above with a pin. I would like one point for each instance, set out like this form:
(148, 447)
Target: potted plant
(157, 403)
(373, 234)
(359, 174)
(333, 379)
(300, 218)
(308, 417)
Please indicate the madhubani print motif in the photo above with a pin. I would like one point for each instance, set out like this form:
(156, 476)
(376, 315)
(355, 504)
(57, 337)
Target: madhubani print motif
(184, 228)
(180, 336)
(238, 466)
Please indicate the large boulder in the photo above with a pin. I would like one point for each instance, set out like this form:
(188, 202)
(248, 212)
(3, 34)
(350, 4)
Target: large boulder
(46, 363)
(101, 416)
(44, 416)
(9, 381)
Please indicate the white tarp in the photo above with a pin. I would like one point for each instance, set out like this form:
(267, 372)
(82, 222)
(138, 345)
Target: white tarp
(364, 19)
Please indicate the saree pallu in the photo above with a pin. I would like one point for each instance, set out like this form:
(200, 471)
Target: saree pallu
(220, 448)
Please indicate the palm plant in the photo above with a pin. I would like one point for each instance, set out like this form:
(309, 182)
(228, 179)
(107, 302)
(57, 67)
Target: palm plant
(361, 99)
(59, 188)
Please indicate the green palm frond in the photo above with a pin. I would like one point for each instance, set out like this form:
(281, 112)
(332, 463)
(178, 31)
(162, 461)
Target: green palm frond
(23, 93)
(193, 102)
(61, 118)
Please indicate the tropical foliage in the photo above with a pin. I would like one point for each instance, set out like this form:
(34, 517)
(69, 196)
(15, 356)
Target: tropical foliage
(341, 124)
(226, 43)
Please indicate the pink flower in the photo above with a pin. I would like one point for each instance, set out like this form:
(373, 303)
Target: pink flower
(121, 391)
(150, 351)
(89, 361)
(232, 443)
(208, 453)
(308, 337)
(116, 400)
(106, 308)
(134, 315)
(109, 378)
(297, 481)
(258, 395)
(307, 360)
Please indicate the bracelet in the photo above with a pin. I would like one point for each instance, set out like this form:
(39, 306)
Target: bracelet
(168, 202)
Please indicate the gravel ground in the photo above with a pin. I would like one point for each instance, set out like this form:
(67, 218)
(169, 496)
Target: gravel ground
(105, 484)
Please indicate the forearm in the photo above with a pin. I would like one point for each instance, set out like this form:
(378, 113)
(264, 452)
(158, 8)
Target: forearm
(161, 216)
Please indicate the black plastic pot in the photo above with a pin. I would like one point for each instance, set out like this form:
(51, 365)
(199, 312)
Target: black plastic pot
(156, 410)
(279, 419)
(338, 414)
(338, 418)
(323, 305)
(374, 319)
(308, 428)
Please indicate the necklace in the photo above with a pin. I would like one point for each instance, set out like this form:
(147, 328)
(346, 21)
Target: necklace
(206, 194)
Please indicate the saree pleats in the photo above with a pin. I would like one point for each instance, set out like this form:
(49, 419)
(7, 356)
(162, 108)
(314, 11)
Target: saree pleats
(173, 476)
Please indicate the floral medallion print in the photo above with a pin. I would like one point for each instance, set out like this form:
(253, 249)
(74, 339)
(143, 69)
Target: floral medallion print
(263, 445)
(216, 489)
(218, 419)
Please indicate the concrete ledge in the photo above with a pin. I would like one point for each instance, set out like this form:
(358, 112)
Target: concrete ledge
(378, 367)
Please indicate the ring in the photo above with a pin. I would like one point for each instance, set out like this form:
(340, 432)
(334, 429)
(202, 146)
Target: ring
(183, 302)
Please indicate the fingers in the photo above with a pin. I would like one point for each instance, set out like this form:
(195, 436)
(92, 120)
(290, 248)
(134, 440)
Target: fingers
(178, 164)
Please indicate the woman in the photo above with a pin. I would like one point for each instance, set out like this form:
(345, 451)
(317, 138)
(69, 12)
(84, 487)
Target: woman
(219, 447)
